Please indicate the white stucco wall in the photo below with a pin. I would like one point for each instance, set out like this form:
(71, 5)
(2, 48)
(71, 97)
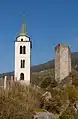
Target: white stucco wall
(19, 57)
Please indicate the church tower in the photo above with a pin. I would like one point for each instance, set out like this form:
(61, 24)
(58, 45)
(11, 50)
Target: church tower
(23, 56)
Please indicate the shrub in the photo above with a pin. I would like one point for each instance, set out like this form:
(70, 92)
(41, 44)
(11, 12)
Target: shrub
(18, 102)
(69, 114)
(54, 104)
(74, 76)
(45, 82)
(72, 93)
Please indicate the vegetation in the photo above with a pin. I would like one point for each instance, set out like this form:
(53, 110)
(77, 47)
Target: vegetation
(63, 95)
(45, 82)
(74, 76)
(69, 114)
(39, 110)
(19, 102)
(38, 77)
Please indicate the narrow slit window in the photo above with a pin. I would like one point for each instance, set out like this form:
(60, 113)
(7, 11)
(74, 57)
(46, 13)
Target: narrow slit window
(24, 49)
(20, 49)
(23, 63)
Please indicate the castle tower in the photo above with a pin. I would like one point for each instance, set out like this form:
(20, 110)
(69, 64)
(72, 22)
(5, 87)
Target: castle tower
(62, 62)
(23, 56)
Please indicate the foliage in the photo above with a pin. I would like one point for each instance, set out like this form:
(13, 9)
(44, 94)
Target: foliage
(52, 85)
(45, 82)
(69, 114)
(54, 105)
(62, 95)
(18, 102)
(72, 93)
(74, 76)
(38, 77)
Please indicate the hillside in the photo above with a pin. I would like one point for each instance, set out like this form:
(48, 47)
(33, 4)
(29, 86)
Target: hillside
(48, 65)
(61, 100)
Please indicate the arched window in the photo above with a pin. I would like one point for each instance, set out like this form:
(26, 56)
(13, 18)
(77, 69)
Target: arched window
(22, 76)
(24, 50)
(20, 49)
(21, 39)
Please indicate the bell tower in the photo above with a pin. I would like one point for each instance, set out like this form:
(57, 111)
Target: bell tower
(23, 56)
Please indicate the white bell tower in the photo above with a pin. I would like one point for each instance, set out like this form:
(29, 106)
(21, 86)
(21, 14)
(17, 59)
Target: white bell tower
(23, 56)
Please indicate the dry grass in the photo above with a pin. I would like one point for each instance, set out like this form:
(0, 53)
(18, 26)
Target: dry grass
(19, 102)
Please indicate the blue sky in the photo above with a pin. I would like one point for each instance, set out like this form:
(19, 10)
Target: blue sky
(48, 22)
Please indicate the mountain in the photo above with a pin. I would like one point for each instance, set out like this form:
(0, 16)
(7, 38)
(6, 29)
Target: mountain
(41, 67)
(49, 65)
(74, 58)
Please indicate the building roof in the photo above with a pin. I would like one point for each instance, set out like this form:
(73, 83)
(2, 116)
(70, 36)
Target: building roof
(23, 30)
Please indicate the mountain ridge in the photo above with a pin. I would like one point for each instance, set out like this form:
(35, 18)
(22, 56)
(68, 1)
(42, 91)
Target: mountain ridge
(48, 65)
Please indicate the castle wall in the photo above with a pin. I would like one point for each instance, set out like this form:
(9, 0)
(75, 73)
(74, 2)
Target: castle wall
(62, 62)
(57, 64)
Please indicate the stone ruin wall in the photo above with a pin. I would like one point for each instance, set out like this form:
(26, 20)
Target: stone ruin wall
(62, 62)
(57, 63)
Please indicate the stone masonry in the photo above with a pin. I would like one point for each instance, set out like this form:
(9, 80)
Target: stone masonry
(62, 62)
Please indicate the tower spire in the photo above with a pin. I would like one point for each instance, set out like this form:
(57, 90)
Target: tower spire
(23, 28)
